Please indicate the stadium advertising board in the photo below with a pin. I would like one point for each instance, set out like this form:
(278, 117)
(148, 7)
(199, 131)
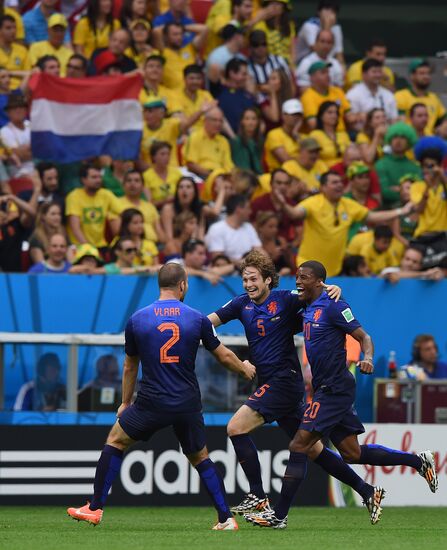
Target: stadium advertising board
(56, 465)
(404, 486)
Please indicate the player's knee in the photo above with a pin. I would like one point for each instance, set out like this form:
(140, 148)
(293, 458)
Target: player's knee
(297, 446)
(196, 458)
(233, 429)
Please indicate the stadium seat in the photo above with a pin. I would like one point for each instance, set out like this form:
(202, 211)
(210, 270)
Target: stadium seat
(200, 9)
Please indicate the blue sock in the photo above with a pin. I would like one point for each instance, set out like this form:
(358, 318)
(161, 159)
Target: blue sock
(377, 455)
(247, 455)
(107, 469)
(333, 464)
(295, 473)
(214, 484)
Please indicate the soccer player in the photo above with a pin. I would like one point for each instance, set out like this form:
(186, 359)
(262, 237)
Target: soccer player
(270, 319)
(331, 412)
(164, 337)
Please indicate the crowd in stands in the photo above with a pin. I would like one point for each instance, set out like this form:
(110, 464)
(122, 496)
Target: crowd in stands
(257, 134)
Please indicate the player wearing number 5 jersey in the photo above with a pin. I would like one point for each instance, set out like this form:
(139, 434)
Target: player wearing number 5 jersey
(165, 337)
(270, 319)
(331, 413)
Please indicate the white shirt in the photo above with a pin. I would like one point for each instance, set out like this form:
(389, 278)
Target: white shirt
(336, 71)
(362, 100)
(221, 55)
(307, 37)
(221, 237)
(13, 137)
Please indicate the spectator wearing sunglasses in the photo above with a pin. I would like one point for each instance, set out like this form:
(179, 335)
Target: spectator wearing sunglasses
(76, 66)
(261, 63)
(125, 252)
(327, 219)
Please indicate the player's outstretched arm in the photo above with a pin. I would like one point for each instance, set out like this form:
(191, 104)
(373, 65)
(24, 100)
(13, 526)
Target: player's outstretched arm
(215, 320)
(366, 365)
(231, 362)
(333, 291)
(130, 372)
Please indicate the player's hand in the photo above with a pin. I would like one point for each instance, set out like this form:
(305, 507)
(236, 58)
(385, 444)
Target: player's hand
(333, 291)
(366, 367)
(249, 371)
(121, 409)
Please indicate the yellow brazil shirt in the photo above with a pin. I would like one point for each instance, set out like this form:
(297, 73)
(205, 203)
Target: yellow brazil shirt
(39, 49)
(405, 99)
(150, 215)
(16, 59)
(147, 253)
(169, 131)
(93, 212)
(161, 190)
(279, 138)
(176, 61)
(310, 177)
(326, 228)
(90, 40)
(277, 43)
(359, 241)
(354, 75)
(311, 101)
(189, 106)
(209, 153)
(434, 216)
(378, 261)
(170, 97)
(331, 150)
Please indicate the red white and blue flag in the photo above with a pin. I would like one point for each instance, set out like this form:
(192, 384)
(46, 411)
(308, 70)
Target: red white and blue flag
(73, 119)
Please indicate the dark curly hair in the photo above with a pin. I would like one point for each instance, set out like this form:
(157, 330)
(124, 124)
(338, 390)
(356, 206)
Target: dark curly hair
(264, 264)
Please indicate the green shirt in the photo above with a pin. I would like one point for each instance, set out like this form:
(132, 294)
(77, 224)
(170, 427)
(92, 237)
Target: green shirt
(247, 155)
(390, 169)
(111, 183)
(112, 269)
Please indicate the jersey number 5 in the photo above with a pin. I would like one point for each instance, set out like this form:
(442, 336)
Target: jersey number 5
(261, 327)
(164, 357)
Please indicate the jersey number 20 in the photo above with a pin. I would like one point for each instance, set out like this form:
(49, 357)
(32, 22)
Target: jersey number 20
(164, 357)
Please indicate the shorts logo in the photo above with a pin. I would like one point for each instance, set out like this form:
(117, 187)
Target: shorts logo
(272, 308)
(317, 314)
(347, 314)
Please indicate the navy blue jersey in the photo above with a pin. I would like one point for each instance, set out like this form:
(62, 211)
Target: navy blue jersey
(165, 336)
(326, 324)
(269, 328)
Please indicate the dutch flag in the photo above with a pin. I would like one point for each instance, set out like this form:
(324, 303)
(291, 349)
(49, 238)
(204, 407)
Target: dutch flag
(76, 119)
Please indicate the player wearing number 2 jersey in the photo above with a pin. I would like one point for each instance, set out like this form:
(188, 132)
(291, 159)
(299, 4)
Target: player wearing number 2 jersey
(270, 319)
(165, 337)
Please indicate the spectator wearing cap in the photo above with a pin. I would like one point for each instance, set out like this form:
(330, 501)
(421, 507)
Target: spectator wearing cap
(93, 30)
(280, 30)
(140, 41)
(35, 22)
(390, 168)
(235, 235)
(16, 136)
(192, 98)
(308, 167)
(13, 56)
(160, 180)
(178, 13)
(261, 63)
(326, 19)
(177, 55)
(118, 43)
(86, 260)
(333, 141)
(76, 66)
(133, 191)
(152, 84)
(90, 208)
(233, 38)
(57, 26)
(369, 94)
(319, 91)
(234, 97)
(322, 49)
(281, 144)
(280, 183)
(158, 128)
(56, 261)
(327, 218)
(419, 92)
(430, 195)
(107, 63)
(206, 149)
(377, 49)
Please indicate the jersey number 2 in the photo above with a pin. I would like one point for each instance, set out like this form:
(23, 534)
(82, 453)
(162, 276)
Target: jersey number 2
(164, 357)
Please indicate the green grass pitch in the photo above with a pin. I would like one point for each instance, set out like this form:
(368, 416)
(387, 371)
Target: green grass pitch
(49, 528)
